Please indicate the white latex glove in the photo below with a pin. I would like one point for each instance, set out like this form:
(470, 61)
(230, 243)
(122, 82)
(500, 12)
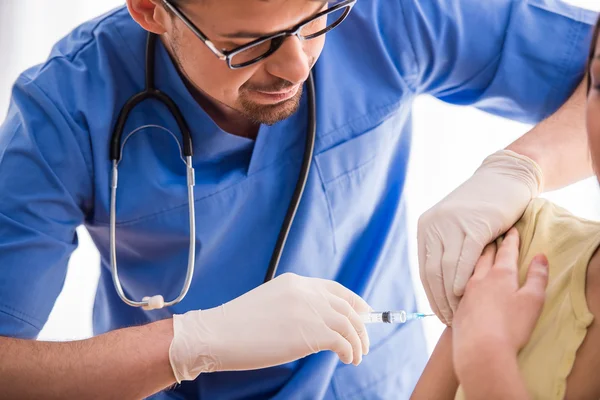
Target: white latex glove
(453, 234)
(281, 321)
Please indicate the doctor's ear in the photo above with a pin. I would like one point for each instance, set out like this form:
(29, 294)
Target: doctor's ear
(149, 14)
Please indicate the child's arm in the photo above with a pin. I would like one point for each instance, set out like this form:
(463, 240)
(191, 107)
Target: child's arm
(438, 381)
(490, 374)
(494, 321)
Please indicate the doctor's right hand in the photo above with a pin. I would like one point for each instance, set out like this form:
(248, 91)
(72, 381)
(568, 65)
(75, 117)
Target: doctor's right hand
(281, 321)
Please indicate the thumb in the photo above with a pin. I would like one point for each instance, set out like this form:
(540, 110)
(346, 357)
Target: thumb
(537, 278)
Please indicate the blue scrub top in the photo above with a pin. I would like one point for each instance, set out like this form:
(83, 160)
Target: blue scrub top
(518, 59)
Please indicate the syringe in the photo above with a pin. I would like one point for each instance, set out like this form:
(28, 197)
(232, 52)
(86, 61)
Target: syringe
(391, 317)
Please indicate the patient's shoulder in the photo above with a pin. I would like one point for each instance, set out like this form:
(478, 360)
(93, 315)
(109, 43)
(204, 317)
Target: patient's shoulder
(541, 211)
(567, 335)
(548, 228)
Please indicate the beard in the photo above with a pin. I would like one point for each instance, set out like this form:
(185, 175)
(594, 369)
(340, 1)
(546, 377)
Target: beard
(269, 114)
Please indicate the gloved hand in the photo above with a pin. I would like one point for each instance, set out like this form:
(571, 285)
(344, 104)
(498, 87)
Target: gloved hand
(453, 234)
(281, 321)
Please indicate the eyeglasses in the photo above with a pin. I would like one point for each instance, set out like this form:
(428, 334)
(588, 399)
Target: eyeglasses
(261, 48)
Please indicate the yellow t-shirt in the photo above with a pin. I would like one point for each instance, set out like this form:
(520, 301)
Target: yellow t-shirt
(569, 243)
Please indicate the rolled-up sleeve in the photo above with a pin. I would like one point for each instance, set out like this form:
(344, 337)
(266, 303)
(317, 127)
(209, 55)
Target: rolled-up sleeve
(520, 59)
(45, 187)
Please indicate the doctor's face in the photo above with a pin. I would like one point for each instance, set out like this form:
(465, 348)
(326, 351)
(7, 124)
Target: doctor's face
(265, 92)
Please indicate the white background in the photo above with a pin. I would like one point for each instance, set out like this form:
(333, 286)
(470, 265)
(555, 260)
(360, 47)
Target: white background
(449, 144)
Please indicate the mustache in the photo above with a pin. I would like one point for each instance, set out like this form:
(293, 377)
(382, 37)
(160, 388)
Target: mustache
(277, 86)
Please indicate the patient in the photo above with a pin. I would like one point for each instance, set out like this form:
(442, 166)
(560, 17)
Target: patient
(508, 342)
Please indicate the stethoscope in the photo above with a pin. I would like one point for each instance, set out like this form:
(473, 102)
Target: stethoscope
(116, 154)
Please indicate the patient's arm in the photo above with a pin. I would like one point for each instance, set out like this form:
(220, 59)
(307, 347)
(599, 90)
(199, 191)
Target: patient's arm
(495, 377)
(438, 381)
(493, 322)
(582, 383)
(492, 374)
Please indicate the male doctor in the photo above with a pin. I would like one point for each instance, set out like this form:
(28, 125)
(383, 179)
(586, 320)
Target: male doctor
(231, 337)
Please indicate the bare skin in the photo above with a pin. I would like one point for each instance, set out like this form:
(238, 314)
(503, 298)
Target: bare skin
(130, 363)
(559, 144)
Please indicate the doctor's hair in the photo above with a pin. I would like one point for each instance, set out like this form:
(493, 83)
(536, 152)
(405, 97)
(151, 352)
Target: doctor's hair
(592, 53)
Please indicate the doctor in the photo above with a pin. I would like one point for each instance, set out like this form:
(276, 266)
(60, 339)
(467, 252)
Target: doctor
(248, 123)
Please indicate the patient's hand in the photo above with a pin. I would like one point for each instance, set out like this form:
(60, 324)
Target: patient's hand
(496, 315)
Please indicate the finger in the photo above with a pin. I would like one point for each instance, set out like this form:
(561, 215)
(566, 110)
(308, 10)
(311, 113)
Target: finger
(537, 277)
(435, 279)
(344, 308)
(343, 326)
(450, 260)
(469, 257)
(508, 252)
(355, 301)
(485, 262)
(339, 345)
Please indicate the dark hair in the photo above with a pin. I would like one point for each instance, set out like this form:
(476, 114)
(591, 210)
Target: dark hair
(592, 53)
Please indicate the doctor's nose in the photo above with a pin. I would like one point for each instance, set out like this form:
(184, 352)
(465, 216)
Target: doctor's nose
(290, 62)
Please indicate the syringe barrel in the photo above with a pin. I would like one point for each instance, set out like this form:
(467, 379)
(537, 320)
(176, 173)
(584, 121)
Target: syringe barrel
(386, 317)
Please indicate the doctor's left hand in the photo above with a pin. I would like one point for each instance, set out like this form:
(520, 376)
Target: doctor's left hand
(281, 321)
(452, 235)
